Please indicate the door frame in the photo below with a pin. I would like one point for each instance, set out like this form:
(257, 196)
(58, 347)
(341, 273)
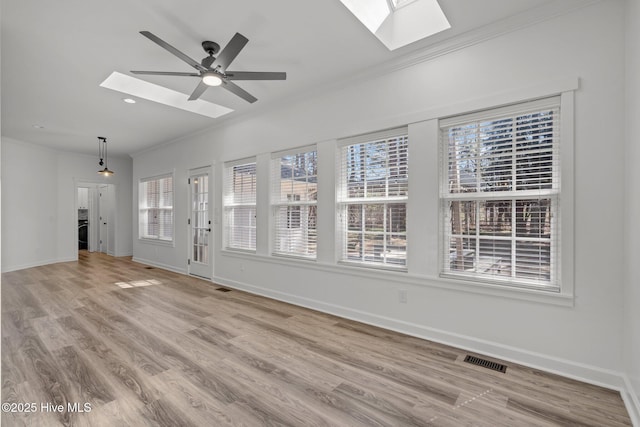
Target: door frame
(103, 217)
(94, 222)
(204, 271)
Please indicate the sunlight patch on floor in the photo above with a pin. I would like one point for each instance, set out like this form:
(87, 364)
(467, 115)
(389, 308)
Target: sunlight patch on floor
(138, 283)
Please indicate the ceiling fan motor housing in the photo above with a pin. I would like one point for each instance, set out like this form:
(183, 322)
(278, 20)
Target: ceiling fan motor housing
(212, 48)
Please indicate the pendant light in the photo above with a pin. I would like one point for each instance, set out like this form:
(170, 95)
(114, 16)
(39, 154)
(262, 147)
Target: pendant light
(102, 153)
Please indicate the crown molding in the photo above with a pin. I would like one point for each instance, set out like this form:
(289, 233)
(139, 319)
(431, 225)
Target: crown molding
(529, 18)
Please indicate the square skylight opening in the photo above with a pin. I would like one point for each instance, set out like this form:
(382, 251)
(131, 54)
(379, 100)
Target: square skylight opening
(371, 13)
(142, 89)
(397, 23)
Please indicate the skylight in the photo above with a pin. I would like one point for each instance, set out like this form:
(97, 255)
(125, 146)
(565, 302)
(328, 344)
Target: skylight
(397, 4)
(152, 92)
(397, 23)
(371, 13)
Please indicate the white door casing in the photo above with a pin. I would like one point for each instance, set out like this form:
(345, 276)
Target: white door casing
(103, 210)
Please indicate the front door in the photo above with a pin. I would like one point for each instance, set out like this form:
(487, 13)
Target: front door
(200, 253)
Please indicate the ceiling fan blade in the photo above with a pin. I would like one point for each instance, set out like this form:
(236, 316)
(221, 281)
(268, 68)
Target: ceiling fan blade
(172, 49)
(237, 90)
(166, 73)
(198, 91)
(255, 75)
(230, 51)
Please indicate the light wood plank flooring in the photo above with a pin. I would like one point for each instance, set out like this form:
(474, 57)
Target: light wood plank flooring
(147, 347)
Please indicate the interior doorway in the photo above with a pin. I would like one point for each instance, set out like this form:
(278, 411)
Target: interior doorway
(95, 207)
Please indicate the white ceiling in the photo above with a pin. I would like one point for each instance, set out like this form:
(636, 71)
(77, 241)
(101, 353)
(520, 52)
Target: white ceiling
(55, 55)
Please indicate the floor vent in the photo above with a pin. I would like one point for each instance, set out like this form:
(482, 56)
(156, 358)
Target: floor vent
(223, 290)
(486, 363)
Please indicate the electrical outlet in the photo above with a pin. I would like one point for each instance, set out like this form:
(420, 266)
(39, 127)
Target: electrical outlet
(241, 267)
(402, 296)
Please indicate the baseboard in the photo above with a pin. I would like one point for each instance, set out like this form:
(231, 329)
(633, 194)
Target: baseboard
(159, 265)
(123, 254)
(6, 269)
(632, 401)
(581, 372)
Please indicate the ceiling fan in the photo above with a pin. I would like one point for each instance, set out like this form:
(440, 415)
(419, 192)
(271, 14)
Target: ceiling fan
(212, 71)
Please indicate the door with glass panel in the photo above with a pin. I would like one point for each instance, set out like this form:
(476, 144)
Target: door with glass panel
(200, 253)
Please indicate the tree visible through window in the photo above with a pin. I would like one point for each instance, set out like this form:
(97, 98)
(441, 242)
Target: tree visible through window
(373, 199)
(501, 194)
(294, 199)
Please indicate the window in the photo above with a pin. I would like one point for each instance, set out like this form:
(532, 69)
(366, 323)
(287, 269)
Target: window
(500, 193)
(155, 203)
(372, 198)
(240, 205)
(294, 199)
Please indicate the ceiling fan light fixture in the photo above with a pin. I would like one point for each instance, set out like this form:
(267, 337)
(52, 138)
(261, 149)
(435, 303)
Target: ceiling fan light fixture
(212, 79)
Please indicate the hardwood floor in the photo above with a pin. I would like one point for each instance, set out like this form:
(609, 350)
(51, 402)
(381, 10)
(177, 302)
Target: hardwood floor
(134, 346)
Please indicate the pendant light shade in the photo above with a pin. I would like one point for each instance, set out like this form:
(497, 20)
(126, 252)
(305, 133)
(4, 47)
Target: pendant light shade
(105, 172)
(102, 153)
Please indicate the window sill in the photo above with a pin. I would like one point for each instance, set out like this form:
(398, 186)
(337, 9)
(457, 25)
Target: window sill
(239, 251)
(553, 296)
(294, 257)
(157, 242)
(374, 266)
(403, 277)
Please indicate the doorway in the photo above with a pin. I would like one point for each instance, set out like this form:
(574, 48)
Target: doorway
(199, 223)
(95, 207)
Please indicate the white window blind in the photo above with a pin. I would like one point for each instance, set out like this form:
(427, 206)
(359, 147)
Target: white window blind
(372, 198)
(240, 205)
(499, 195)
(155, 203)
(294, 198)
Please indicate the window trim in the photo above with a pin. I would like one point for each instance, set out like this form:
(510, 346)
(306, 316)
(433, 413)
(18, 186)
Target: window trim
(158, 240)
(563, 198)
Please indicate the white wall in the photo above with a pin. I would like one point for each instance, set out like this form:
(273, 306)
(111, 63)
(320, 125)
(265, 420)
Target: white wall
(38, 203)
(177, 158)
(29, 205)
(583, 340)
(632, 224)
